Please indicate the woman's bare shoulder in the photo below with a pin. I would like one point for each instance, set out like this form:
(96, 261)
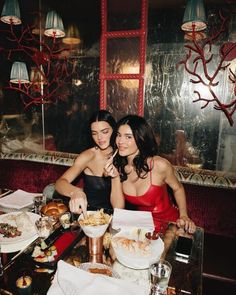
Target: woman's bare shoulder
(161, 164)
(86, 156)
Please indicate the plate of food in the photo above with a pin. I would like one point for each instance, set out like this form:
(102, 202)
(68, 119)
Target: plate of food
(17, 227)
(49, 256)
(99, 268)
(95, 224)
(135, 250)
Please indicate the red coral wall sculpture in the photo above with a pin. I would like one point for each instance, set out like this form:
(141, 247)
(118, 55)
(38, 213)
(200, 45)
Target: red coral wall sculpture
(46, 58)
(197, 63)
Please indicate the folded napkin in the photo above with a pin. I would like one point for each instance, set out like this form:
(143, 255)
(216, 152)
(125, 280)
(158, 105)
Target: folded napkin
(70, 280)
(18, 200)
(125, 219)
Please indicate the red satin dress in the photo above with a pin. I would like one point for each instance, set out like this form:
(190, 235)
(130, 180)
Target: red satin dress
(157, 201)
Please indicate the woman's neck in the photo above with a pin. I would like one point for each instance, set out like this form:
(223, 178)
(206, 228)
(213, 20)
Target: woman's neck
(106, 153)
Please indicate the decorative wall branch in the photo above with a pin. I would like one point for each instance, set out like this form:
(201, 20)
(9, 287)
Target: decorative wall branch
(197, 62)
(54, 70)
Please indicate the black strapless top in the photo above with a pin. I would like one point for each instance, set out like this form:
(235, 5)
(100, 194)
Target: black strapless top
(97, 190)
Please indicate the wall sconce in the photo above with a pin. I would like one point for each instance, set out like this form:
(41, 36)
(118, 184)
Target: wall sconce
(19, 73)
(11, 12)
(54, 26)
(194, 16)
(72, 35)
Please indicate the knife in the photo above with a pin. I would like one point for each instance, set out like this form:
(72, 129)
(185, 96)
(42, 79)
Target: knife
(24, 250)
(48, 242)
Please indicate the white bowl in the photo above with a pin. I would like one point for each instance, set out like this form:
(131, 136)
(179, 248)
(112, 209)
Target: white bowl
(94, 231)
(137, 259)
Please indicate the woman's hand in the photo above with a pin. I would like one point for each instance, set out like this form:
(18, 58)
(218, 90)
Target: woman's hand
(110, 169)
(187, 224)
(78, 202)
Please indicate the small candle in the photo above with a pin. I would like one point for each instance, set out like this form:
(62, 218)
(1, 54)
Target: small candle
(23, 285)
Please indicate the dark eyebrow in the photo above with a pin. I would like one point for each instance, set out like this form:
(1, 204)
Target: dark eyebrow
(101, 130)
(105, 129)
(129, 134)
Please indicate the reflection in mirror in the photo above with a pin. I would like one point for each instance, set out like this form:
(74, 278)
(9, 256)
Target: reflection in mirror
(188, 136)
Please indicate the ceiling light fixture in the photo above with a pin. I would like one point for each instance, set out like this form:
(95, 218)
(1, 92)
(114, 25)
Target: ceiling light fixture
(54, 26)
(194, 16)
(72, 35)
(11, 12)
(19, 73)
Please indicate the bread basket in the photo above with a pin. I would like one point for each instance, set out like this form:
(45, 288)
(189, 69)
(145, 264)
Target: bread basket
(54, 209)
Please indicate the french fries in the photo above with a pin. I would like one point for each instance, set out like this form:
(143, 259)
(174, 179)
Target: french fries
(96, 218)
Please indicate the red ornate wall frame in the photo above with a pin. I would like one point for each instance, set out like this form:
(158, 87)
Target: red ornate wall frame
(105, 35)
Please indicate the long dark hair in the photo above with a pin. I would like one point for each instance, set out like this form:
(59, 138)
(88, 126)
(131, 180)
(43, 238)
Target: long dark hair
(103, 115)
(145, 141)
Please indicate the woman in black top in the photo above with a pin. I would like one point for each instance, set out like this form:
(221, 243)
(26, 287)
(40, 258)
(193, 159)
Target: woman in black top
(97, 187)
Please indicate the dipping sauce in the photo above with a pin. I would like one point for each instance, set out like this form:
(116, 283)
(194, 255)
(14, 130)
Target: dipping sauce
(152, 235)
(65, 219)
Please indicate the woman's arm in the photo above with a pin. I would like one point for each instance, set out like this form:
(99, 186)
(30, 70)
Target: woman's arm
(169, 177)
(116, 198)
(78, 200)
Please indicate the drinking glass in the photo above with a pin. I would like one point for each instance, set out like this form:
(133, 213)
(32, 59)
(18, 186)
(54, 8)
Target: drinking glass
(159, 272)
(44, 227)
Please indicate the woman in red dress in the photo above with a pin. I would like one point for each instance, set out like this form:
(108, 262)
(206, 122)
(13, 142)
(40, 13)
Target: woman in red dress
(141, 177)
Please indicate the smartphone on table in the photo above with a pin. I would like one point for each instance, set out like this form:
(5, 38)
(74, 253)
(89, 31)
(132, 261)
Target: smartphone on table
(183, 248)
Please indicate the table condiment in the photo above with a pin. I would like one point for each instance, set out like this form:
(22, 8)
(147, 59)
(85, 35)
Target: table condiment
(24, 284)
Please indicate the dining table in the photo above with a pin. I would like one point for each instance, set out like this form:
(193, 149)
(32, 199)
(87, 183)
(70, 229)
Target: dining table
(73, 244)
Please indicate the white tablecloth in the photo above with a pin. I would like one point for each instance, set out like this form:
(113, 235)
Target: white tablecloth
(70, 280)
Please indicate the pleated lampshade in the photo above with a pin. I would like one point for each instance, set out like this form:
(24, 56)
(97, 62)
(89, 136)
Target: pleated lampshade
(54, 26)
(19, 73)
(11, 12)
(72, 35)
(194, 16)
